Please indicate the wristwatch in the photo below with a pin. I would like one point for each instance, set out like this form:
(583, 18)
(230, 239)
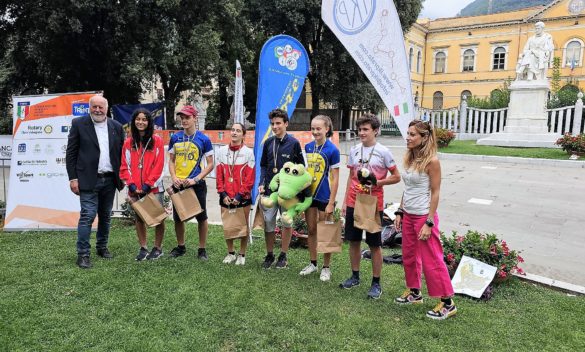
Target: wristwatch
(429, 223)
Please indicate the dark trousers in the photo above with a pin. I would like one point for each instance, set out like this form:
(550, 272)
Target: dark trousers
(98, 202)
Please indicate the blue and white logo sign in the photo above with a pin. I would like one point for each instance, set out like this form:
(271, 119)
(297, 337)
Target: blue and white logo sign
(80, 109)
(353, 16)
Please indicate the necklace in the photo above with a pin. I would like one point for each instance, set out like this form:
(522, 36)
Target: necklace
(366, 162)
(143, 151)
(233, 164)
(315, 160)
(275, 153)
(191, 141)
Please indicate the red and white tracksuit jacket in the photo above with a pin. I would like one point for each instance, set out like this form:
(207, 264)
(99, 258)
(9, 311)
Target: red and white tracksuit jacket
(152, 165)
(235, 178)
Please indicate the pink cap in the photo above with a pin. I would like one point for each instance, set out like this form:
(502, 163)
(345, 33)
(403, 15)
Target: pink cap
(188, 110)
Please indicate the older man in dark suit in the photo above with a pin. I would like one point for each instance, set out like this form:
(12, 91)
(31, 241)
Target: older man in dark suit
(93, 156)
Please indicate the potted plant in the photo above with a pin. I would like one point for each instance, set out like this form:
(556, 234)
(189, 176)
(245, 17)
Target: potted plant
(444, 137)
(486, 248)
(572, 144)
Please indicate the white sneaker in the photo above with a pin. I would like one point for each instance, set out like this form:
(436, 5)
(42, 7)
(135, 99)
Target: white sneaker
(241, 260)
(325, 274)
(309, 269)
(230, 258)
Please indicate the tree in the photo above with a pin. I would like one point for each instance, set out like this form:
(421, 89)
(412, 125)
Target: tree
(333, 75)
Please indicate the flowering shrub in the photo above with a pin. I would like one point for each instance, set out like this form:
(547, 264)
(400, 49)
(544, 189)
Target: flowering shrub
(572, 143)
(444, 136)
(483, 247)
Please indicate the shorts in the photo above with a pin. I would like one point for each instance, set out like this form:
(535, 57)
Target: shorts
(352, 233)
(270, 218)
(201, 193)
(319, 205)
(160, 196)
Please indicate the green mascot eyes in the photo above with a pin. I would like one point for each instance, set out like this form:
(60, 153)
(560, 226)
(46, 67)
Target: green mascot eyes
(286, 187)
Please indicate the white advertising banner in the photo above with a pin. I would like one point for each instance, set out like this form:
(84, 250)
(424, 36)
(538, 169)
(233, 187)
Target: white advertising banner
(39, 197)
(239, 95)
(370, 31)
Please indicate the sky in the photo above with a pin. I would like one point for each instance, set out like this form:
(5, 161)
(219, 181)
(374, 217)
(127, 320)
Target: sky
(442, 8)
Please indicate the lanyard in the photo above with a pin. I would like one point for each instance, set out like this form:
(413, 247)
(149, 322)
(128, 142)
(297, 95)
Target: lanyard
(192, 141)
(366, 162)
(275, 152)
(140, 162)
(233, 164)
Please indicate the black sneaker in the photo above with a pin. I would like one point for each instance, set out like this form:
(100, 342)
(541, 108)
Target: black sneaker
(268, 260)
(83, 261)
(178, 251)
(282, 262)
(142, 254)
(154, 254)
(104, 253)
(349, 283)
(202, 255)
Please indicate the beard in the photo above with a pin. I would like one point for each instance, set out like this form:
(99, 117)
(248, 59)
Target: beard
(98, 117)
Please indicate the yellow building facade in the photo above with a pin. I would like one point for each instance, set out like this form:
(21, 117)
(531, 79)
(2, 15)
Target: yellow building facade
(475, 55)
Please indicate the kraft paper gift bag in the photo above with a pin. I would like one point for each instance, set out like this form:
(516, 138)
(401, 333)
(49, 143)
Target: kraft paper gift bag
(258, 223)
(185, 203)
(329, 236)
(365, 215)
(149, 209)
(234, 223)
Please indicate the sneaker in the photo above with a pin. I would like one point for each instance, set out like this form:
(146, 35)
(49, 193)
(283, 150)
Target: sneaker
(142, 254)
(241, 260)
(349, 283)
(202, 255)
(309, 269)
(409, 297)
(155, 254)
(83, 261)
(325, 274)
(375, 291)
(178, 251)
(104, 253)
(442, 311)
(230, 258)
(268, 260)
(282, 262)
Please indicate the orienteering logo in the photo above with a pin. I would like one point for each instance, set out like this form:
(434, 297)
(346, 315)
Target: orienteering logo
(287, 56)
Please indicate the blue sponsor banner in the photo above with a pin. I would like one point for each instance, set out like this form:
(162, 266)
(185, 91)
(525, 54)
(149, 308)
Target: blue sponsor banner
(284, 65)
(123, 113)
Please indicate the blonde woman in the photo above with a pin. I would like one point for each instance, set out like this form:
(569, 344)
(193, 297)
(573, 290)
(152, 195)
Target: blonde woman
(418, 219)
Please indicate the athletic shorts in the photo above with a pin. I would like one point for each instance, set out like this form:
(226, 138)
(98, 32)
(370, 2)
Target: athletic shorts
(201, 193)
(352, 233)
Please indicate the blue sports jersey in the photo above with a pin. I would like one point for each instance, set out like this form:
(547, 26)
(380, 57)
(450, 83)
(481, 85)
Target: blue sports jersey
(321, 159)
(189, 152)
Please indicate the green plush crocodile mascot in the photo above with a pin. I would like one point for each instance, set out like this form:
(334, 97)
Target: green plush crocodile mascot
(290, 189)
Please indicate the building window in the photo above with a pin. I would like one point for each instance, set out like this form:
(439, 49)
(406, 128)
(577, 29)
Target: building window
(468, 60)
(499, 59)
(573, 53)
(438, 100)
(410, 56)
(418, 60)
(440, 59)
(466, 94)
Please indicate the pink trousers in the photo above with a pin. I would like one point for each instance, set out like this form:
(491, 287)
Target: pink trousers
(426, 255)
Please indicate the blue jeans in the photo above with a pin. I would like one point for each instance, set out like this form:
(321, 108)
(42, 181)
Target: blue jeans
(97, 202)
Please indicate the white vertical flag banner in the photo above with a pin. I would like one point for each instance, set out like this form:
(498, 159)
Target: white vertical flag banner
(239, 95)
(370, 31)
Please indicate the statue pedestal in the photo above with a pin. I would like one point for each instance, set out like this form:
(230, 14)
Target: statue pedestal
(526, 123)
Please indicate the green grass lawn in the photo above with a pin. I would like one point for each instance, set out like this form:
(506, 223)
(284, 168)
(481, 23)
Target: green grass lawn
(469, 147)
(47, 303)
